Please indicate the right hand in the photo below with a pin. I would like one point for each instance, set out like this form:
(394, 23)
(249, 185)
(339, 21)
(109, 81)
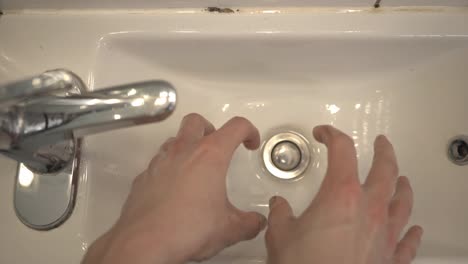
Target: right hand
(348, 222)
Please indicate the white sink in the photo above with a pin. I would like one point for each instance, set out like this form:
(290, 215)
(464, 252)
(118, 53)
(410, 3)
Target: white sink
(413, 89)
(402, 73)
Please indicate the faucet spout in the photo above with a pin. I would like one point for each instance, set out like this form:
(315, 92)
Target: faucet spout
(79, 115)
(49, 120)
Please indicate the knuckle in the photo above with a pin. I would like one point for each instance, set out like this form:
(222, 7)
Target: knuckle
(404, 247)
(400, 207)
(395, 206)
(269, 235)
(350, 192)
(405, 254)
(341, 141)
(273, 236)
(167, 145)
(155, 164)
(137, 180)
(239, 120)
(387, 163)
(154, 161)
(193, 117)
(176, 145)
(348, 202)
(387, 160)
(170, 149)
(208, 147)
(328, 130)
(377, 214)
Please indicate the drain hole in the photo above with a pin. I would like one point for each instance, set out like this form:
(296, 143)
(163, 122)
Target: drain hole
(458, 150)
(462, 149)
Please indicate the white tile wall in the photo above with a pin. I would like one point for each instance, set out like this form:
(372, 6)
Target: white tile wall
(114, 4)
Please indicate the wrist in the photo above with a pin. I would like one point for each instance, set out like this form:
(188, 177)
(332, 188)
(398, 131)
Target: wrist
(130, 246)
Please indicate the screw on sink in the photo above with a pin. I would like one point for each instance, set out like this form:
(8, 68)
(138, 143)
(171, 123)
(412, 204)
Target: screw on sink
(377, 3)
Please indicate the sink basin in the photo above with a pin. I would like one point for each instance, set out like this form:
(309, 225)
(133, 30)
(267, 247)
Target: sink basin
(398, 71)
(413, 89)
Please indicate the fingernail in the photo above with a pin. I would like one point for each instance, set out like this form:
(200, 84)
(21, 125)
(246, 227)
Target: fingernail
(402, 180)
(381, 139)
(272, 201)
(420, 229)
(263, 223)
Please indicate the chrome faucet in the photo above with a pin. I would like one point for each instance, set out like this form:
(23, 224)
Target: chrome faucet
(41, 122)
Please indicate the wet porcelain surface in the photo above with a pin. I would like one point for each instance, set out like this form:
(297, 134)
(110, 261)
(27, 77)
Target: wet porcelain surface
(366, 73)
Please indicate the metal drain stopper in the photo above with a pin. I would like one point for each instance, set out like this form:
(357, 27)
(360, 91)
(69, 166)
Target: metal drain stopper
(286, 155)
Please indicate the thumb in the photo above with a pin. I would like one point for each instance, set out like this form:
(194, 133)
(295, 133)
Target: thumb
(247, 226)
(280, 212)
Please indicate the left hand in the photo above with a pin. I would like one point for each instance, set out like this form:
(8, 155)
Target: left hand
(178, 209)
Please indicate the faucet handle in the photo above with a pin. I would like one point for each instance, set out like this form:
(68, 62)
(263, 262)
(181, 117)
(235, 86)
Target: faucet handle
(53, 81)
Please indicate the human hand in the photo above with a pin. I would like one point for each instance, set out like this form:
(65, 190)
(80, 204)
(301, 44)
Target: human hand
(178, 209)
(347, 222)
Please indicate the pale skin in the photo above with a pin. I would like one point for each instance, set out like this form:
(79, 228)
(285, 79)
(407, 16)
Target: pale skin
(178, 210)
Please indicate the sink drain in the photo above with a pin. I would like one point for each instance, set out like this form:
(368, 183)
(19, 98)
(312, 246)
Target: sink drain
(458, 150)
(286, 155)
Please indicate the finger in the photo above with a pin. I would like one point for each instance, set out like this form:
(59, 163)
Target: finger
(236, 131)
(342, 162)
(194, 127)
(139, 178)
(246, 226)
(280, 212)
(165, 146)
(407, 248)
(163, 150)
(380, 184)
(400, 208)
